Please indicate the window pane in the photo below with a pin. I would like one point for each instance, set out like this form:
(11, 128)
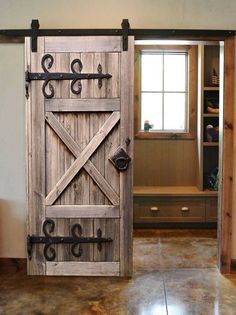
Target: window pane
(151, 110)
(152, 66)
(175, 72)
(174, 111)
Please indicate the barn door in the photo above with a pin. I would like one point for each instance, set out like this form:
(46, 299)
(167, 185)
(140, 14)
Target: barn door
(79, 94)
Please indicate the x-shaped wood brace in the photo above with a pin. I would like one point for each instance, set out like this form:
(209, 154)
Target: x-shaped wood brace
(82, 158)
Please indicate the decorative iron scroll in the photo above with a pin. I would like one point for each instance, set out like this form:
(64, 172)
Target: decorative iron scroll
(75, 76)
(75, 240)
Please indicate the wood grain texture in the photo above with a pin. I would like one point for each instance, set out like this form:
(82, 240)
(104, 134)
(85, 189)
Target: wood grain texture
(36, 158)
(82, 211)
(200, 111)
(85, 268)
(126, 178)
(211, 209)
(64, 157)
(83, 44)
(110, 229)
(171, 191)
(13, 265)
(174, 163)
(98, 159)
(28, 152)
(82, 159)
(81, 133)
(82, 105)
(76, 150)
(226, 156)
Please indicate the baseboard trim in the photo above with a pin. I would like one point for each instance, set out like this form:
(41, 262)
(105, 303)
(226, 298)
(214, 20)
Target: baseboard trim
(176, 225)
(233, 266)
(13, 265)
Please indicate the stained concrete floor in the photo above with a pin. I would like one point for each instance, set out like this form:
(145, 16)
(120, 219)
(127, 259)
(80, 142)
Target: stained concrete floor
(174, 273)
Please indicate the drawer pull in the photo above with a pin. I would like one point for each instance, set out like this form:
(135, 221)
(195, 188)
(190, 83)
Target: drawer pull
(185, 209)
(154, 209)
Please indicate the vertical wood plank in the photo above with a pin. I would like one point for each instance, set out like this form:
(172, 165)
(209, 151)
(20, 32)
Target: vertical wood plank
(88, 67)
(28, 134)
(98, 159)
(113, 139)
(87, 231)
(36, 214)
(66, 158)
(72, 57)
(200, 111)
(109, 251)
(226, 156)
(111, 145)
(175, 149)
(100, 59)
(96, 122)
(112, 67)
(81, 183)
(173, 161)
(62, 65)
(126, 178)
(190, 154)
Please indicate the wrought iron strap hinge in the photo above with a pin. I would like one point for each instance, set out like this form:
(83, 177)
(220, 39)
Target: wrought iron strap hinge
(76, 239)
(75, 76)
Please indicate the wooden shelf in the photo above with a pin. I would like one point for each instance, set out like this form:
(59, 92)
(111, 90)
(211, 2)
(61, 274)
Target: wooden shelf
(210, 144)
(211, 192)
(210, 115)
(211, 88)
(173, 191)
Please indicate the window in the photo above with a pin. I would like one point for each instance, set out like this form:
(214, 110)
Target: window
(166, 92)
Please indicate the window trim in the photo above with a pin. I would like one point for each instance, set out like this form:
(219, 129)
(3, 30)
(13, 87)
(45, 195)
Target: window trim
(192, 95)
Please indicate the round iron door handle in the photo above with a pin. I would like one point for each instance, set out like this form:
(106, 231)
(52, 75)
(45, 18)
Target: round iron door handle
(122, 163)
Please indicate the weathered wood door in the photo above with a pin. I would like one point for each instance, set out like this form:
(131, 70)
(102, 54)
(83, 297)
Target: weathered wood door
(77, 131)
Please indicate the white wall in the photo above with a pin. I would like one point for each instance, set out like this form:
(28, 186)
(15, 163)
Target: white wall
(187, 14)
(12, 152)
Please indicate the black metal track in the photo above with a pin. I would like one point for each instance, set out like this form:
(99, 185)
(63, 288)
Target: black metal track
(137, 33)
(35, 32)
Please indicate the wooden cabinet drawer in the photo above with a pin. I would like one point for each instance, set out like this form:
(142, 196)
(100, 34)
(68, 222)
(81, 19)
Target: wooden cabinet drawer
(211, 209)
(158, 209)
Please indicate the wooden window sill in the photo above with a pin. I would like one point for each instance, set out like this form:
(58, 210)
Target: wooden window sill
(163, 136)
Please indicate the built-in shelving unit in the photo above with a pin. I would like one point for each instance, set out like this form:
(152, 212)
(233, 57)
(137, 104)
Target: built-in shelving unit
(208, 114)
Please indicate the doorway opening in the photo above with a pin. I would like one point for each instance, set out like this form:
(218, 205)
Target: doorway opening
(178, 99)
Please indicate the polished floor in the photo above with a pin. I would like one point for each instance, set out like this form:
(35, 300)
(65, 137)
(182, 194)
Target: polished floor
(174, 273)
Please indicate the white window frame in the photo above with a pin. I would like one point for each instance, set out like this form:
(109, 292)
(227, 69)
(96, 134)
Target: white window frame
(163, 53)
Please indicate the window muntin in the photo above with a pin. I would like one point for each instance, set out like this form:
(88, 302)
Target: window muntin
(164, 91)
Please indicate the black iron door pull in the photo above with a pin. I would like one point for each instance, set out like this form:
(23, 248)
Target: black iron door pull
(120, 160)
(75, 240)
(75, 76)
